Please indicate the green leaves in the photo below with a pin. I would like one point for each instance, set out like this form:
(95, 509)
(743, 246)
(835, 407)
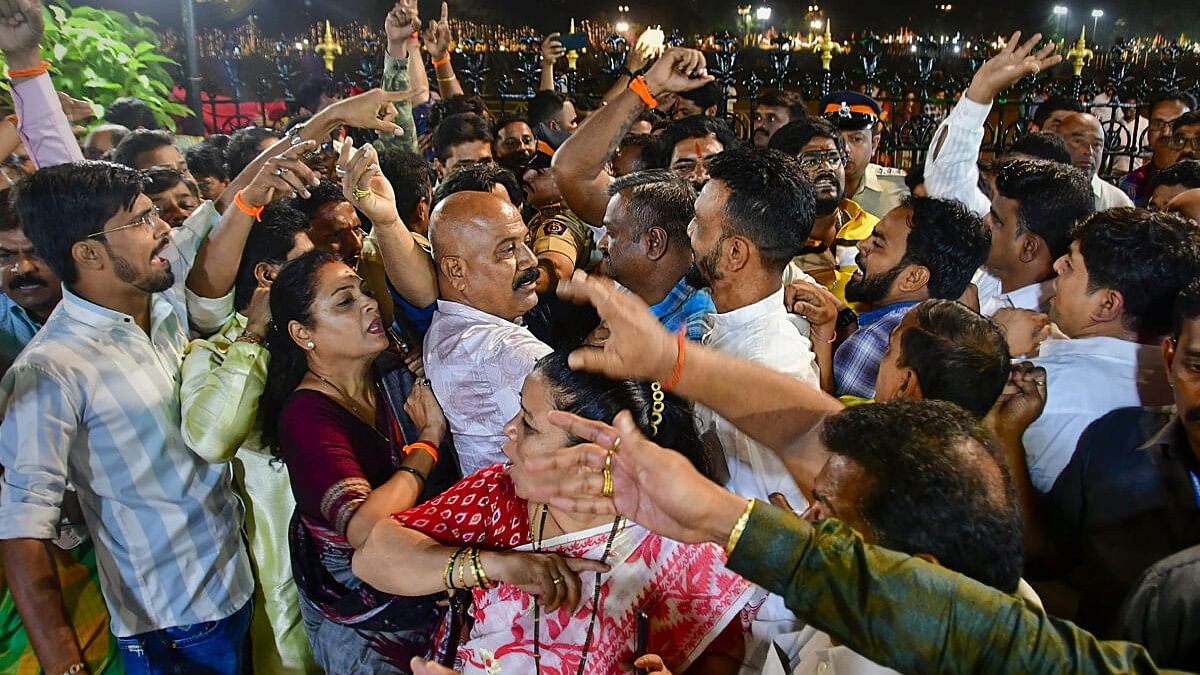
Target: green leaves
(101, 55)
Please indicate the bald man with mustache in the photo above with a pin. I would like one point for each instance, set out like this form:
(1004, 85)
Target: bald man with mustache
(477, 353)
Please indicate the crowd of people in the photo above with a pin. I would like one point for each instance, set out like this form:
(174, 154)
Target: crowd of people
(588, 391)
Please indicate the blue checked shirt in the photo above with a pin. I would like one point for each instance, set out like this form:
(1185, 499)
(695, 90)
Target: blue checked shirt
(94, 400)
(685, 306)
(856, 362)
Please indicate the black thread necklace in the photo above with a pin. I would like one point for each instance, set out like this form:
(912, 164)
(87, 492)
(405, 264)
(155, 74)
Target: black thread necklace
(537, 609)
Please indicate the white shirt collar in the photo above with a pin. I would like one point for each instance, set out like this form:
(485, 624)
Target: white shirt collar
(1111, 347)
(743, 316)
(457, 309)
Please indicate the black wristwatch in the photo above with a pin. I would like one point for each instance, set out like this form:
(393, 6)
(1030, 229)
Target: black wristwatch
(846, 317)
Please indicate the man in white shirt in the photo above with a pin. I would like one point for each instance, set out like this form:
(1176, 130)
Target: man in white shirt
(1085, 139)
(1035, 203)
(476, 353)
(1114, 295)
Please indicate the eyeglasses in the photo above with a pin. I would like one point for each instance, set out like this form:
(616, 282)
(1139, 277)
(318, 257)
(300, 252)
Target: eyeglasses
(1181, 142)
(147, 220)
(1160, 125)
(811, 161)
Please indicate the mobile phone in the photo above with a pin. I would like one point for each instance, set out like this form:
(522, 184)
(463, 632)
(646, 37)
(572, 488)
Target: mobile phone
(643, 637)
(574, 41)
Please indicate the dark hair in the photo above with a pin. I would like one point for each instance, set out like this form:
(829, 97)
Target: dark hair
(657, 197)
(244, 148)
(544, 107)
(1042, 145)
(411, 177)
(938, 485)
(162, 178)
(598, 398)
(1185, 173)
(1187, 119)
(793, 136)
(646, 143)
(696, 126)
(1051, 197)
(457, 129)
(704, 97)
(507, 120)
(9, 220)
(1053, 105)
(771, 201)
(457, 105)
(139, 141)
(207, 159)
(292, 295)
(915, 177)
(1178, 95)
(269, 242)
(61, 205)
(1147, 256)
(794, 102)
(132, 113)
(1187, 307)
(310, 93)
(949, 241)
(958, 355)
(479, 177)
(327, 192)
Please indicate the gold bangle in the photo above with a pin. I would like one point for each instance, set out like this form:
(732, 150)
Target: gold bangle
(736, 535)
(462, 571)
(449, 574)
(447, 79)
(480, 575)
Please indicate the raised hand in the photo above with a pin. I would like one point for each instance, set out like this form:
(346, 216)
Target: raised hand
(75, 109)
(374, 109)
(678, 70)
(422, 407)
(815, 303)
(402, 23)
(437, 35)
(1024, 329)
(553, 579)
(365, 186)
(637, 347)
(552, 50)
(1014, 62)
(258, 315)
(21, 29)
(282, 175)
(1021, 402)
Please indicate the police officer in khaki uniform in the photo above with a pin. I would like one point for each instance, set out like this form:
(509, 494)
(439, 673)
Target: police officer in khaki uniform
(877, 189)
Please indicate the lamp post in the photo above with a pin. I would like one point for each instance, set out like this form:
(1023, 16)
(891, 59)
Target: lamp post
(1097, 14)
(188, 8)
(763, 14)
(1060, 12)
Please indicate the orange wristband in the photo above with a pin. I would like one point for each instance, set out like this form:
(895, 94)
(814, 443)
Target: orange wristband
(40, 69)
(638, 86)
(422, 445)
(677, 373)
(442, 61)
(253, 212)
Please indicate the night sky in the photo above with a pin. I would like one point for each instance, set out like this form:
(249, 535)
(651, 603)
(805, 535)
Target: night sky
(969, 16)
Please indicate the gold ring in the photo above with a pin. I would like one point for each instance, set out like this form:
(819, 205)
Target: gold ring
(615, 447)
(607, 490)
(361, 194)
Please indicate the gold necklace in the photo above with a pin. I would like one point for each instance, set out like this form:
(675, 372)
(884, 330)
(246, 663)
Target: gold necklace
(350, 401)
(537, 610)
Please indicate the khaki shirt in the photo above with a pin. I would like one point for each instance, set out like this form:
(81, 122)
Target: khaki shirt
(882, 190)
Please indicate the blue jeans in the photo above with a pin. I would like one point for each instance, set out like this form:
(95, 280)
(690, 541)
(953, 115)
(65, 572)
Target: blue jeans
(209, 648)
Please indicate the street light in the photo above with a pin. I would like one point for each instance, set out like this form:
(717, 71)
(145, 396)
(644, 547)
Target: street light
(763, 13)
(1096, 16)
(1060, 11)
(816, 24)
(622, 26)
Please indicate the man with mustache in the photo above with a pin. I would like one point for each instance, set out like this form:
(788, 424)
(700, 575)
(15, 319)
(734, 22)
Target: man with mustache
(1127, 498)
(476, 352)
(31, 289)
(876, 188)
(925, 248)
(830, 252)
(1085, 139)
(776, 110)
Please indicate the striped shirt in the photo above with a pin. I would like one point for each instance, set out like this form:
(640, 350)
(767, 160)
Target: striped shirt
(94, 400)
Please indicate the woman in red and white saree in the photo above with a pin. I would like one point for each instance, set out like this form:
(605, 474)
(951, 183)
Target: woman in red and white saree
(551, 612)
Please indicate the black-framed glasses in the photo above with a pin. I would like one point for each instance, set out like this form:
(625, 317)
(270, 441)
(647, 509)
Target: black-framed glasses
(147, 220)
(1181, 142)
(814, 160)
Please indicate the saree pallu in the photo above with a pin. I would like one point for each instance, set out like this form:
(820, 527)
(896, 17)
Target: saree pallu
(685, 589)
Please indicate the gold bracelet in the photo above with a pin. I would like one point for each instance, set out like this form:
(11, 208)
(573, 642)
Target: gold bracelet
(447, 79)
(480, 575)
(449, 574)
(462, 571)
(736, 535)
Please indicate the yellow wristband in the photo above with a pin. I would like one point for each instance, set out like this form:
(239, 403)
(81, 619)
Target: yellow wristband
(736, 535)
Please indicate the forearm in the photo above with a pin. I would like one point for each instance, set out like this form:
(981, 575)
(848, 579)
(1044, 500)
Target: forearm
(823, 350)
(951, 172)
(35, 588)
(10, 140)
(1040, 548)
(44, 127)
(400, 493)
(221, 412)
(217, 261)
(546, 82)
(408, 266)
(318, 129)
(619, 85)
(579, 164)
(397, 72)
(404, 562)
(448, 84)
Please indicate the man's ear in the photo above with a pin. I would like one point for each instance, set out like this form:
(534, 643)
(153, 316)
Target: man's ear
(913, 279)
(1108, 306)
(87, 256)
(455, 272)
(655, 243)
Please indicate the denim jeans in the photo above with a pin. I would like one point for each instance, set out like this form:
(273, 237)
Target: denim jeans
(344, 650)
(210, 648)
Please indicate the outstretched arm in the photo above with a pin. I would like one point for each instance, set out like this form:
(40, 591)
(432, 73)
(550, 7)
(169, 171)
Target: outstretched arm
(579, 163)
(437, 42)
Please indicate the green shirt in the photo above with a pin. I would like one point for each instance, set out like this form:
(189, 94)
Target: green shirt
(908, 614)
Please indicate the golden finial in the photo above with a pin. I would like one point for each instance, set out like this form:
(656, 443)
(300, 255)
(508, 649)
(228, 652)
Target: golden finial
(572, 56)
(827, 47)
(329, 48)
(1080, 55)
